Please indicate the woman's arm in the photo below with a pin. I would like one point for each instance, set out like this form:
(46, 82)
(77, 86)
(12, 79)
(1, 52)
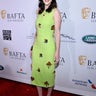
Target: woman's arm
(33, 41)
(57, 20)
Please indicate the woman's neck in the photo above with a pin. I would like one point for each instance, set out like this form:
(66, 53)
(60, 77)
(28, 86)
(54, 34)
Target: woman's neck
(46, 6)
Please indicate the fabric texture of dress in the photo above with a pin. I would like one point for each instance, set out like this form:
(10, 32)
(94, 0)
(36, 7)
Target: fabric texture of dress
(43, 67)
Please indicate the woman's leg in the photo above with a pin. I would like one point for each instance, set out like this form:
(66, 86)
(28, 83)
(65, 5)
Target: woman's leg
(49, 91)
(39, 89)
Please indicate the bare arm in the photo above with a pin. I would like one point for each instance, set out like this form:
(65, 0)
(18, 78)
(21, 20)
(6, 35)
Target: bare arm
(57, 19)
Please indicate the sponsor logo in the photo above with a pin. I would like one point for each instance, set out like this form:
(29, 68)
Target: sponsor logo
(21, 71)
(84, 83)
(80, 82)
(67, 38)
(85, 12)
(93, 86)
(90, 39)
(10, 16)
(6, 34)
(3, 14)
(90, 64)
(5, 51)
(82, 60)
(88, 14)
(62, 60)
(63, 16)
(1, 68)
(14, 54)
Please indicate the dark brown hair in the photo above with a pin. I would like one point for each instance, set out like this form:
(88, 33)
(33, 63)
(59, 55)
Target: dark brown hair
(42, 6)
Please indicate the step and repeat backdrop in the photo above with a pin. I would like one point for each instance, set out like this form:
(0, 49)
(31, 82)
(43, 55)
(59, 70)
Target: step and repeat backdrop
(76, 72)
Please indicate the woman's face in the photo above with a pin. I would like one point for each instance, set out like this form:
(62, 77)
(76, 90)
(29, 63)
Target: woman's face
(47, 2)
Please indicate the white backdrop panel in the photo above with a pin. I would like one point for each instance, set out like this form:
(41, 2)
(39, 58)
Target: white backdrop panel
(77, 68)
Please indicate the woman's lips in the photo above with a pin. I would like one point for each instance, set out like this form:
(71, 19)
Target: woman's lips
(46, 0)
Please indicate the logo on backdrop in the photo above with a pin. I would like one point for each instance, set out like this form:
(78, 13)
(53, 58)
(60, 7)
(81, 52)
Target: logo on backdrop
(79, 82)
(85, 12)
(82, 60)
(5, 51)
(63, 16)
(88, 13)
(10, 16)
(1, 68)
(14, 54)
(84, 83)
(20, 71)
(62, 60)
(89, 63)
(93, 86)
(90, 39)
(67, 38)
(3, 14)
(6, 34)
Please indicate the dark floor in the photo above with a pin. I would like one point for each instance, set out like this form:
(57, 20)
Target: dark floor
(13, 88)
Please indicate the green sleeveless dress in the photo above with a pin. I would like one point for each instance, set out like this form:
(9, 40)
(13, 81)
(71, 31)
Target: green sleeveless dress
(43, 67)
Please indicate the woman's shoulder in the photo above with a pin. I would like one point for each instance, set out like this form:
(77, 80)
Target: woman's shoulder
(37, 11)
(56, 12)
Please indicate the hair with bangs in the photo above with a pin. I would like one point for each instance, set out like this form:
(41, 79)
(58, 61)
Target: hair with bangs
(42, 6)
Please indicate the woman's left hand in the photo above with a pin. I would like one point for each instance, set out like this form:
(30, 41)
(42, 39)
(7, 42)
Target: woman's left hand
(56, 57)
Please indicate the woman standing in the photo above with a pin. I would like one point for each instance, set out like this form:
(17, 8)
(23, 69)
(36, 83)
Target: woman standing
(46, 46)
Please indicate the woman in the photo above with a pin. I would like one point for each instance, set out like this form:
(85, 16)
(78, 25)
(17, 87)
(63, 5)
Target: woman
(46, 46)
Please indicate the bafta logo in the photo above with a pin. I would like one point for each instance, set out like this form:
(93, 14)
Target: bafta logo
(82, 60)
(3, 14)
(85, 12)
(5, 51)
